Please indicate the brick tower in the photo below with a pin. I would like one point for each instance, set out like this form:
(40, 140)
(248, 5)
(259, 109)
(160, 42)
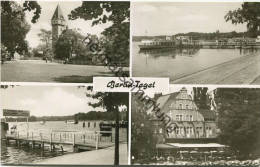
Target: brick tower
(58, 23)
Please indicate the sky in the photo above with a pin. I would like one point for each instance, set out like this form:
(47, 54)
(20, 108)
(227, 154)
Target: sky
(47, 100)
(48, 8)
(169, 18)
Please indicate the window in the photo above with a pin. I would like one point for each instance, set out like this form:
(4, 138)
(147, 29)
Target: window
(177, 130)
(187, 130)
(191, 118)
(181, 130)
(179, 118)
(187, 106)
(191, 130)
(187, 117)
(180, 106)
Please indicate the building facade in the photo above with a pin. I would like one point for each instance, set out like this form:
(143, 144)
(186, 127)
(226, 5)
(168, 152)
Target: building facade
(190, 121)
(59, 24)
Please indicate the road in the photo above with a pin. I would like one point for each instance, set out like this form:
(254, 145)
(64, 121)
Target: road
(95, 157)
(243, 70)
(40, 71)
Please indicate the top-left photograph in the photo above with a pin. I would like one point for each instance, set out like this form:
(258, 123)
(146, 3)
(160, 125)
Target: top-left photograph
(64, 41)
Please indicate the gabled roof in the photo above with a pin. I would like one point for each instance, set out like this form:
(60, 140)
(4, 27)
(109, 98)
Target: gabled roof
(58, 13)
(162, 100)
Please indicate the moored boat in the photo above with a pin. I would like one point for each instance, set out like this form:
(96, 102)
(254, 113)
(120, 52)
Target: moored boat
(42, 122)
(71, 121)
(157, 44)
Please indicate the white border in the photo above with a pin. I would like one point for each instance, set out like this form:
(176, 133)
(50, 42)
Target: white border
(131, 59)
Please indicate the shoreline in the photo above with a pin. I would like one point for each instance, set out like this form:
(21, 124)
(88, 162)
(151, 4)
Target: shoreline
(222, 73)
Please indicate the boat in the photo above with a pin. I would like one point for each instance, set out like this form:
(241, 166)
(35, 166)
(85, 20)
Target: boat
(157, 44)
(42, 122)
(71, 122)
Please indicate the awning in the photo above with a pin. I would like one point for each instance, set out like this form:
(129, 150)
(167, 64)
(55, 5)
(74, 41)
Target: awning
(204, 145)
(164, 146)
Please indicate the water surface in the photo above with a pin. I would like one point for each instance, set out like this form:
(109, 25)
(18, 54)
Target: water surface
(176, 63)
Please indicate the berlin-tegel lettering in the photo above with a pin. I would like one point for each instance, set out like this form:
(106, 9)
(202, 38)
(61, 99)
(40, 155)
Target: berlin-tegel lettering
(124, 78)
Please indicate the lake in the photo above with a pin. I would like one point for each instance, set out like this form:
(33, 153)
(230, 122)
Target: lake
(12, 155)
(175, 63)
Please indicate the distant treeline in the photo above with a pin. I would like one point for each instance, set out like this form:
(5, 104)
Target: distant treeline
(92, 115)
(200, 36)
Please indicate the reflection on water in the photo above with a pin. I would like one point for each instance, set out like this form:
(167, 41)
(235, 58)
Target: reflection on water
(13, 155)
(155, 53)
(176, 63)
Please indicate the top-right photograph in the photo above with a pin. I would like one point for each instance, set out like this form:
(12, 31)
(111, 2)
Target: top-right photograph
(197, 42)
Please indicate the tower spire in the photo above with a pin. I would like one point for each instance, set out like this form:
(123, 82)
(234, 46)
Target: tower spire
(58, 23)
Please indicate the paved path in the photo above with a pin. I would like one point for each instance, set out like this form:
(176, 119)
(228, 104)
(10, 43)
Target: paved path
(40, 71)
(95, 157)
(243, 70)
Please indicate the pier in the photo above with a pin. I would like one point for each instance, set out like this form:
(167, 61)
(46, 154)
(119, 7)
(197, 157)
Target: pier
(80, 141)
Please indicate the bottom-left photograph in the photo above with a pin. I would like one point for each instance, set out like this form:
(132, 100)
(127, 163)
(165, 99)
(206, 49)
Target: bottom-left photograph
(63, 125)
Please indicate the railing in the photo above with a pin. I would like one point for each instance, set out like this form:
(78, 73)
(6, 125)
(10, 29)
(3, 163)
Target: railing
(94, 138)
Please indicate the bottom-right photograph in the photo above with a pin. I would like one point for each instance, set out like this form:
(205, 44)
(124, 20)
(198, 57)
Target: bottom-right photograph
(196, 126)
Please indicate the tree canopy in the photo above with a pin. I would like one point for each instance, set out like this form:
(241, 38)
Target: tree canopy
(143, 142)
(249, 13)
(111, 102)
(70, 42)
(14, 26)
(239, 119)
(117, 35)
(45, 37)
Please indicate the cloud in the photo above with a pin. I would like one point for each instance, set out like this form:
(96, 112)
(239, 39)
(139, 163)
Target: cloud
(55, 102)
(169, 18)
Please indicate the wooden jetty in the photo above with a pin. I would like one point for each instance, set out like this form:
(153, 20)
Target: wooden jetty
(87, 140)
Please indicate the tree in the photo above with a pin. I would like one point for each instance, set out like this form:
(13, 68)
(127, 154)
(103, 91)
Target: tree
(117, 35)
(239, 119)
(14, 26)
(143, 140)
(70, 42)
(4, 53)
(111, 102)
(201, 97)
(249, 14)
(45, 37)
